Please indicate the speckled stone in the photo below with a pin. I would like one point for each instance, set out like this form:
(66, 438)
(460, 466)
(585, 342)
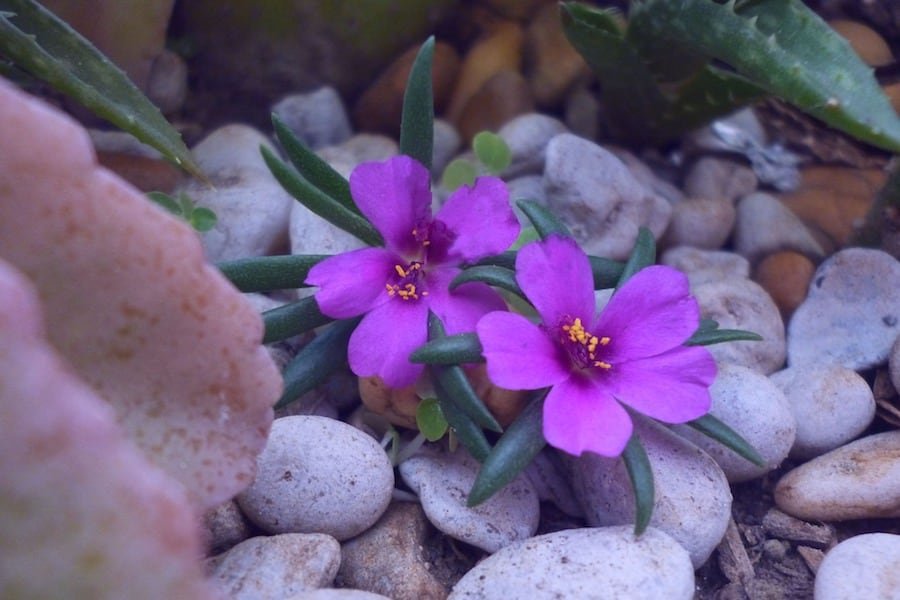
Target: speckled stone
(706, 265)
(864, 566)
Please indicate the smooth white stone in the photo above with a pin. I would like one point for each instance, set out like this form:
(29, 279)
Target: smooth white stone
(318, 118)
(864, 566)
(527, 137)
(706, 265)
(764, 225)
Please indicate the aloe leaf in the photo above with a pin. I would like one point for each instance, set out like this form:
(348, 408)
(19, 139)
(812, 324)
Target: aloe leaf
(786, 49)
(430, 419)
(319, 202)
(544, 221)
(712, 427)
(449, 350)
(470, 435)
(292, 319)
(641, 475)
(36, 40)
(500, 277)
(513, 452)
(720, 336)
(417, 122)
(642, 255)
(312, 168)
(269, 273)
(316, 361)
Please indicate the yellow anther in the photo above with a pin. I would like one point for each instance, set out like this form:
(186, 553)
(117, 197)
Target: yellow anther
(604, 341)
(602, 364)
(400, 271)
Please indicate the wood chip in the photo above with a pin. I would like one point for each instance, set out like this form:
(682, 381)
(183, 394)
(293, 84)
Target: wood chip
(811, 556)
(786, 527)
(733, 559)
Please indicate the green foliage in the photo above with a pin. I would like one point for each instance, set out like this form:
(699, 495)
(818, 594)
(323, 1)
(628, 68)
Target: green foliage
(199, 217)
(493, 156)
(659, 81)
(430, 419)
(417, 121)
(641, 476)
(269, 273)
(458, 173)
(34, 39)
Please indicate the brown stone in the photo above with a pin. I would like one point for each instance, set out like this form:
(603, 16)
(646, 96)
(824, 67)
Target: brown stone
(503, 96)
(519, 10)
(504, 404)
(380, 106)
(396, 405)
(785, 276)
(144, 173)
(892, 91)
(552, 64)
(870, 46)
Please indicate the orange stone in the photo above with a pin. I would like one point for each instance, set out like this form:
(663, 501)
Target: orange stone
(785, 276)
(866, 42)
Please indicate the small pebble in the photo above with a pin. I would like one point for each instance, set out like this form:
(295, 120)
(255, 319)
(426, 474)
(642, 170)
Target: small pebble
(225, 526)
(589, 563)
(502, 97)
(706, 265)
(317, 118)
(527, 137)
(443, 480)
(700, 222)
(555, 64)
(338, 594)
(764, 225)
(864, 566)
(831, 405)
(318, 475)
(786, 276)
(714, 177)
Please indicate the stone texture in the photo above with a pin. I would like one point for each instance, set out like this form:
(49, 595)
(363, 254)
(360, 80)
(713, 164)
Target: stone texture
(764, 225)
(502, 97)
(553, 65)
(317, 118)
(785, 276)
(716, 177)
(700, 222)
(527, 137)
(702, 266)
(864, 566)
(225, 526)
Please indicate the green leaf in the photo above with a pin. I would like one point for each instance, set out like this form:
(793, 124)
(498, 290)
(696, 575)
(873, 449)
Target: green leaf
(528, 234)
(203, 219)
(470, 435)
(293, 319)
(167, 202)
(36, 40)
(500, 277)
(430, 420)
(449, 350)
(515, 449)
(417, 122)
(506, 260)
(312, 168)
(607, 273)
(458, 173)
(269, 273)
(543, 220)
(317, 361)
(642, 255)
(641, 475)
(492, 151)
(712, 427)
(719, 336)
(319, 202)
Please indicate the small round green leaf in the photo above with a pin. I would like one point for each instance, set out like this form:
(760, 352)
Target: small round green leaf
(458, 173)
(203, 219)
(492, 151)
(430, 419)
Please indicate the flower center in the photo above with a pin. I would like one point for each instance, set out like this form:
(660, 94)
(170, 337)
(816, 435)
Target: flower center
(582, 345)
(406, 282)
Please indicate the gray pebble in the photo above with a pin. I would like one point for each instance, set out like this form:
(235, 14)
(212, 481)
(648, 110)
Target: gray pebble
(700, 222)
(527, 137)
(715, 177)
(225, 526)
(864, 566)
(318, 475)
(318, 118)
(706, 265)
(764, 225)
(447, 142)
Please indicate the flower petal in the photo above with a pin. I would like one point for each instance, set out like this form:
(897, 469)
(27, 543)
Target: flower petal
(652, 313)
(481, 219)
(352, 283)
(672, 387)
(460, 309)
(395, 196)
(384, 339)
(582, 416)
(519, 354)
(556, 277)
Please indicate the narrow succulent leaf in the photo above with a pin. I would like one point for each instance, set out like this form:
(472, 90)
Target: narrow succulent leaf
(500, 277)
(167, 202)
(312, 168)
(607, 272)
(467, 431)
(507, 260)
(430, 420)
(786, 49)
(642, 255)
(37, 41)
(513, 452)
(417, 122)
(458, 173)
(269, 273)
(292, 319)
(450, 350)
(319, 202)
(712, 427)
(544, 221)
(492, 151)
(641, 475)
(317, 361)
(719, 336)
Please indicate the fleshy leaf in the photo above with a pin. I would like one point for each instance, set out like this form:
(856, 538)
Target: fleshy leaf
(167, 202)
(607, 272)
(430, 420)
(543, 220)
(36, 40)
(641, 475)
(713, 428)
(319, 202)
(317, 360)
(203, 219)
(417, 122)
(513, 452)
(268, 273)
(450, 350)
(642, 255)
(719, 336)
(470, 435)
(492, 151)
(458, 173)
(293, 319)
(496, 276)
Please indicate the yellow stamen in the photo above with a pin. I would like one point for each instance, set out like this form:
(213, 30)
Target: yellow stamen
(602, 364)
(400, 271)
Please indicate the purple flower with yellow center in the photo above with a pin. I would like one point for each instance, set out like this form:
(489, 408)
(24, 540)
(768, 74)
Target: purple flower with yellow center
(632, 353)
(396, 286)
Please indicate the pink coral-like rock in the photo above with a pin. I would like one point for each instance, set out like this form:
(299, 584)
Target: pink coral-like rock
(82, 512)
(130, 303)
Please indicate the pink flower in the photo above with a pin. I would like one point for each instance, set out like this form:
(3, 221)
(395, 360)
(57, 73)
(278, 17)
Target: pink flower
(397, 285)
(632, 353)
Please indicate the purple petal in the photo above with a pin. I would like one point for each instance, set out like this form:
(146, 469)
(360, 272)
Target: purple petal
(556, 277)
(481, 219)
(672, 387)
(395, 196)
(460, 309)
(581, 416)
(652, 313)
(352, 283)
(519, 354)
(384, 339)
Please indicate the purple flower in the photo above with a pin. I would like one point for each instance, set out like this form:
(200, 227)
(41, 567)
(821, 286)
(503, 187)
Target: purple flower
(395, 286)
(631, 353)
